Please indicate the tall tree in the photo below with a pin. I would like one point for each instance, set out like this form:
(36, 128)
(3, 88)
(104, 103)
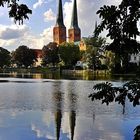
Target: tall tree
(50, 54)
(95, 41)
(4, 57)
(23, 56)
(17, 11)
(122, 25)
(69, 53)
(93, 53)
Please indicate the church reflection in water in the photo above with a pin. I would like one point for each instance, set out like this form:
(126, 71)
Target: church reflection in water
(58, 113)
(58, 98)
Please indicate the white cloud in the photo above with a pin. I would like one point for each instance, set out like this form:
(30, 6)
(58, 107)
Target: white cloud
(67, 13)
(7, 43)
(46, 36)
(13, 36)
(86, 13)
(12, 31)
(38, 3)
(49, 15)
(39, 41)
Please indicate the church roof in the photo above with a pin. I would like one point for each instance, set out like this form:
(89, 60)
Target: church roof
(59, 18)
(74, 20)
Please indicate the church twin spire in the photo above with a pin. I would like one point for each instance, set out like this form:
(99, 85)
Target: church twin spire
(59, 31)
(59, 18)
(74, 19)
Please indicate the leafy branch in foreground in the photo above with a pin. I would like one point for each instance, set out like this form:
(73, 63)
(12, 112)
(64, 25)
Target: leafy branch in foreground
(121, 22)
(108, 93)
(17, 11)
(137, 133)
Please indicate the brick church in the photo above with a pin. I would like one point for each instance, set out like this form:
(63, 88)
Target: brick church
(59, 31)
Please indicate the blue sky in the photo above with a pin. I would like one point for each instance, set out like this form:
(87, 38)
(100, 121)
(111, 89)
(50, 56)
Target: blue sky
(37, 31)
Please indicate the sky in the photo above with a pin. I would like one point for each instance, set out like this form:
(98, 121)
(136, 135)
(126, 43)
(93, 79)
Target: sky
(37, 31)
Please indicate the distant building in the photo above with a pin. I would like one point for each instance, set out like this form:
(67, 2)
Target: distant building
(82, 45)
(135, 58)
(38, 53)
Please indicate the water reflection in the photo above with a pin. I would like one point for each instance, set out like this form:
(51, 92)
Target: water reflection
(60, 109)
(57, 98)
(58, 101)
(72, 115)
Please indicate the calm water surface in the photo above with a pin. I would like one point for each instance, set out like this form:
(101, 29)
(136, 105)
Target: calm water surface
(45, 109)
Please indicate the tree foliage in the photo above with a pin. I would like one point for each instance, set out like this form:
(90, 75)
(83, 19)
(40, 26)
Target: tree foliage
(137, 133)
(17, 11)
(95, 41)
(109, 93)
(50, 54)
(122, 25)
(23, 56)
(4, 57)
(93, 54)
(121, 21)
(69, 53)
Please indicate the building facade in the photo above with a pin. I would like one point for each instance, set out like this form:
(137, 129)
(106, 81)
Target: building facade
(38, 53)
(135, 58)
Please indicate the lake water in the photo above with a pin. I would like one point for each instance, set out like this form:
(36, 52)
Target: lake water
(46, 109)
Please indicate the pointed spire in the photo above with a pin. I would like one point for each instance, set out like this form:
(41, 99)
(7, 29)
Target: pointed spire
(58, 118)
(72, 123)
(74, 20)
(59, 18)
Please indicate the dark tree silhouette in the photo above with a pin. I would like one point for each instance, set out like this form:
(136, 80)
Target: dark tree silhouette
(137, 133)
(69, 53)
(50, 54)
(108, 93)
(17, 11)
(122, 25)
(23, 56)
(4, 57)
(94, 47)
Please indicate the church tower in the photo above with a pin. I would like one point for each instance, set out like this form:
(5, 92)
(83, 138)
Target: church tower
(74, 31)
(59, 31)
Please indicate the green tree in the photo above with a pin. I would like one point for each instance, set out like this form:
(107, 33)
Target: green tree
(23, 56)
(69, 53)
(17, 11)
(50, 54)
(95, 41)
(92, 55)
(4, 57)
(122, 25)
